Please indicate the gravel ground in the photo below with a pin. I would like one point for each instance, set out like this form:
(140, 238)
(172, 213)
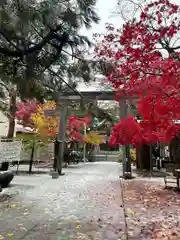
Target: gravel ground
(152, 211)
(85, 203)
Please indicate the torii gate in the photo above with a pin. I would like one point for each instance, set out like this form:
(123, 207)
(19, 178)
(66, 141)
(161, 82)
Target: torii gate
(65, 97)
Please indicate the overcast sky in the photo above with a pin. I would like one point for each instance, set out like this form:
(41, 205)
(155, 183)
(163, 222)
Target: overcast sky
(106, 10)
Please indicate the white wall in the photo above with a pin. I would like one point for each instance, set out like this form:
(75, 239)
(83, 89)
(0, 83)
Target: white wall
(4, 125)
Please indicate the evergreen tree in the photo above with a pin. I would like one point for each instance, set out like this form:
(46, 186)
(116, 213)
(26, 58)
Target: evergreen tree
(36, 40)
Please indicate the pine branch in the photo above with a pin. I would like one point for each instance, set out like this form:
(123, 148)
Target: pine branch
(37, 47)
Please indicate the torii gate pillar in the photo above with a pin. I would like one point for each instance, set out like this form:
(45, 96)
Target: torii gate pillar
(126, 161)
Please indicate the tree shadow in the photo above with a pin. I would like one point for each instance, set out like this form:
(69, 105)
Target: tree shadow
(152, 174)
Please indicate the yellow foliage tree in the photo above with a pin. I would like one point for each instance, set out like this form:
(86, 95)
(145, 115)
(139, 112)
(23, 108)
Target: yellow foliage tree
(132, 154)
(93, 138)
(46, 126)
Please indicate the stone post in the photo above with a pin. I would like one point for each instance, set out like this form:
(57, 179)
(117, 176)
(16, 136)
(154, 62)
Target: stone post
(61, 136)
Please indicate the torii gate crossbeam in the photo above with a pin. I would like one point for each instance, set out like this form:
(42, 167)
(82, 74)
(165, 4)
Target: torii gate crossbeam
(92, 95)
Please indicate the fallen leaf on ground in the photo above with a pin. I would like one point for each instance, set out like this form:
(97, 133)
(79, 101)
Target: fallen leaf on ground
(78, 226)
(130, 211)
(26, 213)
(10, 234)
(13, 206)
(155, 210)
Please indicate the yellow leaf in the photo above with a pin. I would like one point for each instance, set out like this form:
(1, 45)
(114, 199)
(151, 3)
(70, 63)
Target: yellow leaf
(78, 226)
(93, 138)
(10, 234)
(130, 211)
(13, 205)
(45, 124)
(1, 237)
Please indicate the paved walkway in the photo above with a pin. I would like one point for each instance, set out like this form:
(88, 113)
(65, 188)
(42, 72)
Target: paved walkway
(84, 204)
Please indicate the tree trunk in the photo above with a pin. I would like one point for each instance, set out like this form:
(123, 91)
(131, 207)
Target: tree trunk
(12, 112)
(32, 156)
(144, 158)
(175, 150)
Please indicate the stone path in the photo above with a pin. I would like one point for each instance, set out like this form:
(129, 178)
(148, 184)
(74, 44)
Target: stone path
(84, 204)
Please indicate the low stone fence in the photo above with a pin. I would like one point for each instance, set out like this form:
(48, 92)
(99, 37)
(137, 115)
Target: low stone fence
(109, 156)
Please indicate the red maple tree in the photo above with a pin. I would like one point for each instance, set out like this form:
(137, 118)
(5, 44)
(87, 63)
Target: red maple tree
(24, 111)
(145, 55)
(76, 127)
(75, 124)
